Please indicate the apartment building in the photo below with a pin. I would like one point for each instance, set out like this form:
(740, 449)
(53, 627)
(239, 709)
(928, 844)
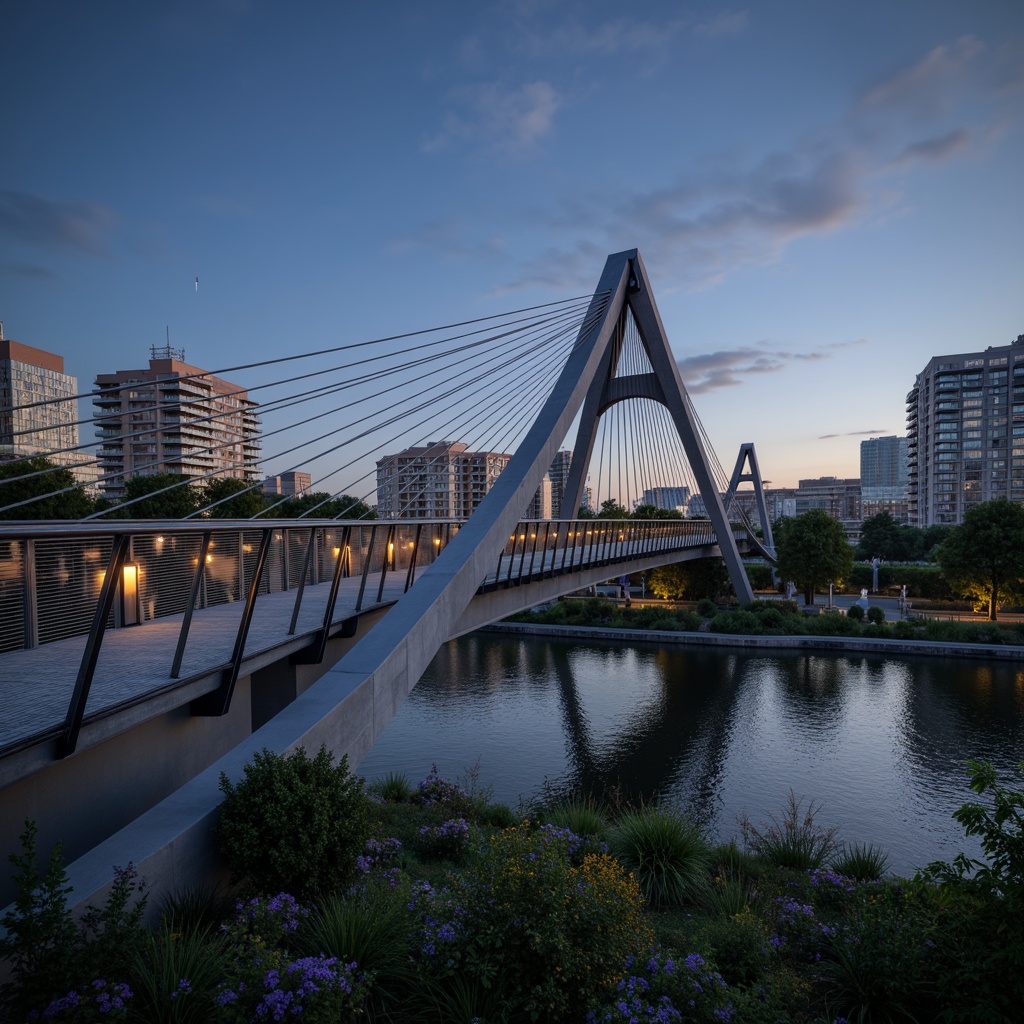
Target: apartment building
(440, 480)
(965, 433)
(173, 417)
(39, 409)
(883, 477)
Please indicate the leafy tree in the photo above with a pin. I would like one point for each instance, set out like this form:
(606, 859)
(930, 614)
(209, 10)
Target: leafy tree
(983, 558)
(70, 505)
(812, 549)
(321, 505)
(690, 580)
(585, 512)
(241, 503)
(611, 509)
(181, 500)
(653, 512)
(880, 537)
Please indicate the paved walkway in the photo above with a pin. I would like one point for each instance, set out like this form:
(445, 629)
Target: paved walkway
(135, 662)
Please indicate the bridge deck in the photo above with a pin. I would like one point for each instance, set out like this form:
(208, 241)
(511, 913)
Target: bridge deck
(134, 662)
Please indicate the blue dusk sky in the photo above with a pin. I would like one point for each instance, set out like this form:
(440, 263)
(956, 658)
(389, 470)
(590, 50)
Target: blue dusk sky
(826, 194)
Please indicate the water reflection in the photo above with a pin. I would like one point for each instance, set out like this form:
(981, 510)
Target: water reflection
(881, 744)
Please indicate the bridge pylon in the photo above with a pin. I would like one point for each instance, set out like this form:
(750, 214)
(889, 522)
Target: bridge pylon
(747, 458)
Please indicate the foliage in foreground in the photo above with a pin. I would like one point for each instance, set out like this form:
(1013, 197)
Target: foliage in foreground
(540, 923)
(294, 823)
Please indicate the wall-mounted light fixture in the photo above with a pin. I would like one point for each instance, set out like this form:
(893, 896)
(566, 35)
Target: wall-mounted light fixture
(129, 594)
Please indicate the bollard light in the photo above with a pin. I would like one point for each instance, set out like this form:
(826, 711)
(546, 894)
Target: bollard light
(130, 594)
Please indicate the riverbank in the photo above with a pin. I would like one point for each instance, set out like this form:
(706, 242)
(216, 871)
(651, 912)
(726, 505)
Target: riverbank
(674, 638)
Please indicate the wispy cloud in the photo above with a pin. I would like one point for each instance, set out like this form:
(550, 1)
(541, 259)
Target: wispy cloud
(723, 25)
(28, 271)
(68, 224)
(726, 368)
(510, 120)
(874, 432)
(935, 150)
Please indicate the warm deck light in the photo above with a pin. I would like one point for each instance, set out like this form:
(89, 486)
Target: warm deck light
(130, 594)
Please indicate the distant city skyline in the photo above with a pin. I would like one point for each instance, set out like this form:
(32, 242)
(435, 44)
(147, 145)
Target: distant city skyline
(826, 196)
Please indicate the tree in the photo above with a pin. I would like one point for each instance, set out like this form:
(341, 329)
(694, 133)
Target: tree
(180, 500)
(74, 504)
(983, 558)
(653, 512)
(240, 503)
(611, 509)
(321, 505)
(880, 538)
(812, 550)
(690, 580)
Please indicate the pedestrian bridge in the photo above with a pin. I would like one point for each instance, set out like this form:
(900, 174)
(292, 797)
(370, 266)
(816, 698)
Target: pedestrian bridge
(139, 661)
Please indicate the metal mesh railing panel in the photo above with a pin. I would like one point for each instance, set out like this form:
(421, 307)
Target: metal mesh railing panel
(222, 583)
(69, 576)
(12, 595)
(167, 565)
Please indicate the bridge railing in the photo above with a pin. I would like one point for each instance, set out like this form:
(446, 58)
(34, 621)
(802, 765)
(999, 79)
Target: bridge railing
(53, 575)
(540, 549)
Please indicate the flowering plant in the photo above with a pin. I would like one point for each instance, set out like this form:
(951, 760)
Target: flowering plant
(102, 1000)
(447, 841)
(662, 989)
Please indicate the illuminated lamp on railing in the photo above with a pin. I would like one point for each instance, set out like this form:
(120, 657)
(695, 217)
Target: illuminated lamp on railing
(129, 594)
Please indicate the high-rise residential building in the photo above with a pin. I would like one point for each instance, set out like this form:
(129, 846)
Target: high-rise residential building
(541, 505)
(173, 418)
(441, 480)
(965, 433)
(558, 473)
(29, 375)
(666, 497)
(883, 477)
(291, 485)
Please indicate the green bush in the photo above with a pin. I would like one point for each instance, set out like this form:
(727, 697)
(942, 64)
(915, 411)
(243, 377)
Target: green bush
(393, 788)
(980, 934)
(739, 623)
(706, 608)
(524, 920)
(666, 854)
(294, 823)
(855, 612)
(876, 614)
(864, 863)
(584, 816)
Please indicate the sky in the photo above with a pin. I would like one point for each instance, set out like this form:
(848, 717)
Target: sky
(825, 194)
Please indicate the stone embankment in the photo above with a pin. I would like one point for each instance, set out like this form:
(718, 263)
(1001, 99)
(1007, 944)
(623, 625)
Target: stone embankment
(859, 645)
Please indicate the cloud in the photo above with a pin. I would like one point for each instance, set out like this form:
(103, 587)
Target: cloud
(924, 87)
(710, 371)
(876, 432)
(29, 271)
(723, 25)
(509, 120)
(935, 150)
(74, 224)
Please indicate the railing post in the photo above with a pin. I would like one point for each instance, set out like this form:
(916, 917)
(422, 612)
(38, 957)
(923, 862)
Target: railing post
(68, 739)
(366, 566)
(218, 702)
(310, 548)
(30, 604)
(197, 582)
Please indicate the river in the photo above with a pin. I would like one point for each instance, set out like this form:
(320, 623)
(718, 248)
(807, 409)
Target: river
(879, 743)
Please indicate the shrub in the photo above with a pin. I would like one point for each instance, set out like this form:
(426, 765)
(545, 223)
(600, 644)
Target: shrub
(294, 823)
(371, 928)
(666, 854)
(523, 918)
(876, 614)
(855, 612)
(48, 956)
(585, 816)
(982, 942)
(435, 791)
(394, 788)
(177, 973)
(706, 608)
(447, 841)
(795, 841)
(498, 816)
(658, 987)
(195, 908)
(864, 863)
(741, 623)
